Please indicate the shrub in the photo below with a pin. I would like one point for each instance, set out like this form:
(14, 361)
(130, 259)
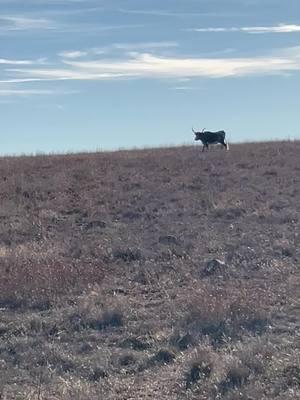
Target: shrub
(291, 375)
(97, 373)
(128, 255)
(200, 368)
(236, 376)
(221, 314)
(109, 318)
(182, 340)
(97, 320)
(164, 356)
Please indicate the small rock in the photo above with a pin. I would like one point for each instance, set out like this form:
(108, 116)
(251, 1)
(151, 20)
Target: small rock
(95, 224)
(168, 239)
(214, 267)
(131, 215)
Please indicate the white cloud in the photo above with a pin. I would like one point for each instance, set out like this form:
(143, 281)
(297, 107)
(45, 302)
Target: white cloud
(145, 65)
(125, 47)
(20, 23)
(281, 28)
(178, 14)
(10, 24)
(73, 54)
(24, 92)
(15, 62)
(21, 80)
(182, 88)
(144, 45)
(39, 61)
(32, 92)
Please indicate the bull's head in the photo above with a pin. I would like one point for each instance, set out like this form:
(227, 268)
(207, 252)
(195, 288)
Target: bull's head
(198, 134)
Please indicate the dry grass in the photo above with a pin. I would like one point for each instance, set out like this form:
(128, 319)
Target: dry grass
(106, 289)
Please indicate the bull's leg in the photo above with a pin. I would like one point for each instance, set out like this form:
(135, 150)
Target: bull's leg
(224, 144)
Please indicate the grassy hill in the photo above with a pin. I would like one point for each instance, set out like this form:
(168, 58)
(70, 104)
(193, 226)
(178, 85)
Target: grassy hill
(152, 274)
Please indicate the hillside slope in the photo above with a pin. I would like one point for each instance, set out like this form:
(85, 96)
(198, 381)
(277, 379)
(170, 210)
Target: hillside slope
(152, 274)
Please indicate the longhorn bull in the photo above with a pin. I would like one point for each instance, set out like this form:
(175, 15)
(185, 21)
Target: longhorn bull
(208, 137)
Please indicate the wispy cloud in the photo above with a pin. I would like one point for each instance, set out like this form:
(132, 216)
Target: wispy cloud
(5, 61)
(144, 45)
(281, 28)
(10, 24)
(21, 23)
(125, 47)
(95, 28)
(73, 54)
(145, 65)
(183, 88)
(25, 92)
(68, 11)
(12, 92)
(178, 14)
(21, 80)
(15, 62)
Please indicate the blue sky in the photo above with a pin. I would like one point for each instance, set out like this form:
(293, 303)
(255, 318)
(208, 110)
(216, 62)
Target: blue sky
(84, 74)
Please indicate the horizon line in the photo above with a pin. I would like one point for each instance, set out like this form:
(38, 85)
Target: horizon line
(41, 153)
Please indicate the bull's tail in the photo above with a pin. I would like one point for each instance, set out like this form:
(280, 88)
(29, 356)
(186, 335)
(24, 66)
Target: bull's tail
(226, 144)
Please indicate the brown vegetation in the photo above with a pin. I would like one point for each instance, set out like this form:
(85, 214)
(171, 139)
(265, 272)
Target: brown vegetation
(151, 274)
